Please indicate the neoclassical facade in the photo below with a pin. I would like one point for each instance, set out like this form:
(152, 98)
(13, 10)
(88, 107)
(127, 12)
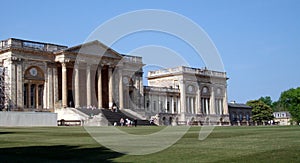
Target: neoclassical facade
(40, 76)
(184, 94)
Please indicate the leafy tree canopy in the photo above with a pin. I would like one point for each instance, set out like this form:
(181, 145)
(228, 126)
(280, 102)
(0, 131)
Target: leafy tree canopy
(267, 100)
(290, 99)
(260, 111)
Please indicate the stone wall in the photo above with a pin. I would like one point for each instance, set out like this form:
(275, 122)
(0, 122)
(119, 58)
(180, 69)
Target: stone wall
(28, 119)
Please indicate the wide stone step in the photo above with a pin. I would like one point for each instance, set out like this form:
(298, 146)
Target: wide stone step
(113, 117)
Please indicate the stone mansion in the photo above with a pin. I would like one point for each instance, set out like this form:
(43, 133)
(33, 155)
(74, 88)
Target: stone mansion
(37, 76)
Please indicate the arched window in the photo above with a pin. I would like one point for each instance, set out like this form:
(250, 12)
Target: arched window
(205, 90)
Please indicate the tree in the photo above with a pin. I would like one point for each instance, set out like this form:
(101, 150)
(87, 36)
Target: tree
(277, 106)
(261, 112)
(290, 99)
(267, 100)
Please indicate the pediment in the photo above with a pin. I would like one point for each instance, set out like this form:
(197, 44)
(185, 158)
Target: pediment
(94, 48)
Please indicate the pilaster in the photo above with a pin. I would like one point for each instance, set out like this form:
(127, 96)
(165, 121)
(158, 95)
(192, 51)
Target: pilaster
(20, 81)
(182, 100)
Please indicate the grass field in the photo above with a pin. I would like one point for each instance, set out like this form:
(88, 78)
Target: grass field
(224, 144)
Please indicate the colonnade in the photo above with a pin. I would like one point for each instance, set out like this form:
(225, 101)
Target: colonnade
(89, 87)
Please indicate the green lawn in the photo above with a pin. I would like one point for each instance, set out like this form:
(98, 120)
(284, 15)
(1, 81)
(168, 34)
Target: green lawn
(224, 144)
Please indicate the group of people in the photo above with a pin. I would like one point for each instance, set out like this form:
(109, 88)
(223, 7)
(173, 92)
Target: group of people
(91, 107)
(128, 122)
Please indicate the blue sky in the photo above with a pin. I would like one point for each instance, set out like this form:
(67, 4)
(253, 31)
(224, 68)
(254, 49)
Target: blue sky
(258, 40)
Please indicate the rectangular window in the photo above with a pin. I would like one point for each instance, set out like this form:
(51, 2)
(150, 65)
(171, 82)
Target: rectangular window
(147, 104)
(25, 88)
(161, 106)
(174, 105)
(168, 106)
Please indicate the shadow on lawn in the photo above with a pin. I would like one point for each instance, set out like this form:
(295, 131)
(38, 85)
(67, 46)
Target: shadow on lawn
(6, 132)
(59, 153)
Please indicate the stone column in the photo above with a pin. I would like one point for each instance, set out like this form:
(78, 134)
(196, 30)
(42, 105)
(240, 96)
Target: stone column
(37, 96)
(166, 104)
(29, 95)
(172, 105)
(33, 96)
(150, 103)
(137, 92)
(141, 93)
(225, 105)
(12, 85)
(76, 86)
(199, 109)
(212, 101)
(207, 106)
(182, 100)
(188, 105)
(50, 89)
(64, 85)
(55, 84)
(20, 102)
(45, 94)
(88, 86)
(110, 87)
(99, 88)
(178, 105)
(159, 103)
(192, 105)
(121, 91)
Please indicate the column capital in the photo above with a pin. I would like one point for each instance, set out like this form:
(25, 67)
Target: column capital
(64, 64)
(63, 60)
(14, 59)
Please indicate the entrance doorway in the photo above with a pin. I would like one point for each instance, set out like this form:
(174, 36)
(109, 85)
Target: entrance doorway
(105, 91)
(33, 88)
(33, 95)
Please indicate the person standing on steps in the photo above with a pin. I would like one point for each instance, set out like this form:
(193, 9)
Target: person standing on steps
(135, 122)
(122, 122)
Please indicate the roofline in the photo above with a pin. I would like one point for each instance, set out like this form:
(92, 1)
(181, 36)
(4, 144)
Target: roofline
(38, 42)
(91, 42)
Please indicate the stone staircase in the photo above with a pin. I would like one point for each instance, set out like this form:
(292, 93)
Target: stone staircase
(113, 117)
(90, 112)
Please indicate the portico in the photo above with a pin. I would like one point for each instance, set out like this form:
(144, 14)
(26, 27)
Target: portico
(93, 82)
